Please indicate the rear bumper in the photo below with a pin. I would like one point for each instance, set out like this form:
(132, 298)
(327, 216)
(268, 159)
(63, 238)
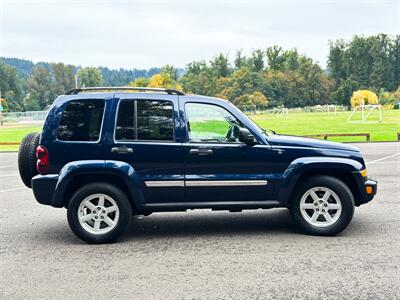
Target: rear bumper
(43, 187)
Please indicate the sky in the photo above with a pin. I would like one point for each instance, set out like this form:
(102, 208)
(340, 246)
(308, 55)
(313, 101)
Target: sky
(144, 34)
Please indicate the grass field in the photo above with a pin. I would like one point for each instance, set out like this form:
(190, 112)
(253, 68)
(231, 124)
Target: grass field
(320, 122)
(300, 123)
(15, 134)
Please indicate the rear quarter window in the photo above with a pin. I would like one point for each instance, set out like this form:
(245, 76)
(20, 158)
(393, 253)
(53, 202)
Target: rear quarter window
(81, 120)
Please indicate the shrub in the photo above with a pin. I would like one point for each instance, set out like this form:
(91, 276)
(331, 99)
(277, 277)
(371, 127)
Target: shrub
(363, 97)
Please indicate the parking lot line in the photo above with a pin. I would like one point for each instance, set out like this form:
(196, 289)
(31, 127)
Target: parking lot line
(5, 167)
(382, 158)
(9, 175)
(11, 190)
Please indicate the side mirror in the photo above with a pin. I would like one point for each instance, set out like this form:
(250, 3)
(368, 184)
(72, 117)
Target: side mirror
(246, 137)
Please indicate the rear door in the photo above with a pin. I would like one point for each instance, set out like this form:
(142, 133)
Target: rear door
(146, 136)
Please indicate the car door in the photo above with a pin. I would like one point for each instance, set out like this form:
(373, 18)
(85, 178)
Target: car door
(145, 136)
(218, 167)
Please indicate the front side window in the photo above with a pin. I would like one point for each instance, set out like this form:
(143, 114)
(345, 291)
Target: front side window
(145, 120)
(211, 123)
(81, 121)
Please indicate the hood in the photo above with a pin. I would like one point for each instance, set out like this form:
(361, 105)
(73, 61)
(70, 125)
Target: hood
(297, 141)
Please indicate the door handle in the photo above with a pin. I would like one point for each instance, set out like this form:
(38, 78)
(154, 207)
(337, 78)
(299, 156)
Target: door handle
(278, 151)
(201, 151)
(121, 150)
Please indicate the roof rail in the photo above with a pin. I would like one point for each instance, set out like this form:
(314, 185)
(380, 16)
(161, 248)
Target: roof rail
(124, 88)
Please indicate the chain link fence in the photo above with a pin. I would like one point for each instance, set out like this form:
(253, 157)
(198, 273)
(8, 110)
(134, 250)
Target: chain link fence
(281, 110)
(27, 117)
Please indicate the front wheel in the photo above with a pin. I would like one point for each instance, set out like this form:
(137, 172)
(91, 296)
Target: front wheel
(99, 213)
(322, 205)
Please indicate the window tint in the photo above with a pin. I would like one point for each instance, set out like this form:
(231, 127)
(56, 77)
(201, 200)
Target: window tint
(150, 120)
(81, 121)
(126, 121)
(211, 123)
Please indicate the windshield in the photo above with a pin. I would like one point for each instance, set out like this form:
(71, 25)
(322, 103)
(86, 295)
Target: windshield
(266, 132)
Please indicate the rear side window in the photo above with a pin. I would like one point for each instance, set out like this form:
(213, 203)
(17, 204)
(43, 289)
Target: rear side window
(145, 120)
(81, 121)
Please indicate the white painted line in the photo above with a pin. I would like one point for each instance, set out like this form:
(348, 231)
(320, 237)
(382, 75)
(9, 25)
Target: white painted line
(11, 190)
(383, 158)
(9, 175)
(5, 167)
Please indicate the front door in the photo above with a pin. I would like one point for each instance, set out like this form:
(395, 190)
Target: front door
(218, 166)
(145, 137)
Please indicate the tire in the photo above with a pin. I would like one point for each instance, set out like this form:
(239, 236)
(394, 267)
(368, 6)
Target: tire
(318, 212)
(82, 216)
(27, 158)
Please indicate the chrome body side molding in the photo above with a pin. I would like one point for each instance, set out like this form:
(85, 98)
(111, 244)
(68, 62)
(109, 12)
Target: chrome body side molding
(194, 183)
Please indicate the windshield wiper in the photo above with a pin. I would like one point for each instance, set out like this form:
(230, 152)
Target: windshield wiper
(265, 131)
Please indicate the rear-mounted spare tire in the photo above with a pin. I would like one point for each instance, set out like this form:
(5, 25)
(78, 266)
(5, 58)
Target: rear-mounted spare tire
(27, 157)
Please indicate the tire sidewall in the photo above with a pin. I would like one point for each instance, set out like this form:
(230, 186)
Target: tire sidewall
(125, 212)
(342, 191)
(27, 158)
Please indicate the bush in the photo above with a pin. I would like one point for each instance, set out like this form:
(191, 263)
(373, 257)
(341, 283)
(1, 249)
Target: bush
(363, 97)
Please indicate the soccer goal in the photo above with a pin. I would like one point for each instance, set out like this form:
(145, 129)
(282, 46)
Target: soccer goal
(331, 109)
(280, 111)
(366, 114)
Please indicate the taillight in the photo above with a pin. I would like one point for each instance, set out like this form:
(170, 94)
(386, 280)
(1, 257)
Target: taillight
(42, 164)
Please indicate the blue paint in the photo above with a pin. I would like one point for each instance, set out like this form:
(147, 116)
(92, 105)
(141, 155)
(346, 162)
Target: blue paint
(279, 159)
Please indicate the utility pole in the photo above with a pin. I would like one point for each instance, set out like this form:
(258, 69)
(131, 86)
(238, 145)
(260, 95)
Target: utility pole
(76, 81)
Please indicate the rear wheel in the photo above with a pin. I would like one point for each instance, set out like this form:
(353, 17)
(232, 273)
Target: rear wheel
(322, 205)
(99, 213)
(27, 158)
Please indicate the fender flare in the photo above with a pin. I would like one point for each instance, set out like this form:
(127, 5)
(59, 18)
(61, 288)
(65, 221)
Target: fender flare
(301, 165)
(105, 167)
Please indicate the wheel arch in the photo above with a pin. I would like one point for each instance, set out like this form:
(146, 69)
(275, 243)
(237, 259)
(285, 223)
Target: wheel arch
(342, 169)
(74, 175)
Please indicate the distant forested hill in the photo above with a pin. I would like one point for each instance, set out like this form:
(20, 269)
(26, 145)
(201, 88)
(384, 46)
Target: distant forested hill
(111, 77)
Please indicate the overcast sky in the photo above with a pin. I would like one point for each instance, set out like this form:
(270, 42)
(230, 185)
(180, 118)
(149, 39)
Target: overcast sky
(143, 34)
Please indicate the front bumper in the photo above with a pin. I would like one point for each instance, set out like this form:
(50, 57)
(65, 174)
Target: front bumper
(43, 187)
(370, 190)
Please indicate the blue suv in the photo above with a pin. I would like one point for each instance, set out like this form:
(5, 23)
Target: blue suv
(106, 154)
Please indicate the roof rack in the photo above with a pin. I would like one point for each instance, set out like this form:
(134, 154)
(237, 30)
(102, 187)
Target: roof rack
(124, 88)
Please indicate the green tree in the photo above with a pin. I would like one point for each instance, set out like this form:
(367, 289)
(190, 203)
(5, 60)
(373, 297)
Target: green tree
(31, 102)
(257, 98)
(256, 61)
(276, 58)
(371, 62)
(140, 82)
(240, 59)
(40, 82)
(394, 54)
(241, 82)
(344, 91)
(171, 71)
(10, 87)
(63, 78)
(199, 79)
(90, 77)
(220, 66)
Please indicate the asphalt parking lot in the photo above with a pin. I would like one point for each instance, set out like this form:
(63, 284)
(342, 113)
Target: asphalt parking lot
(203, 254)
